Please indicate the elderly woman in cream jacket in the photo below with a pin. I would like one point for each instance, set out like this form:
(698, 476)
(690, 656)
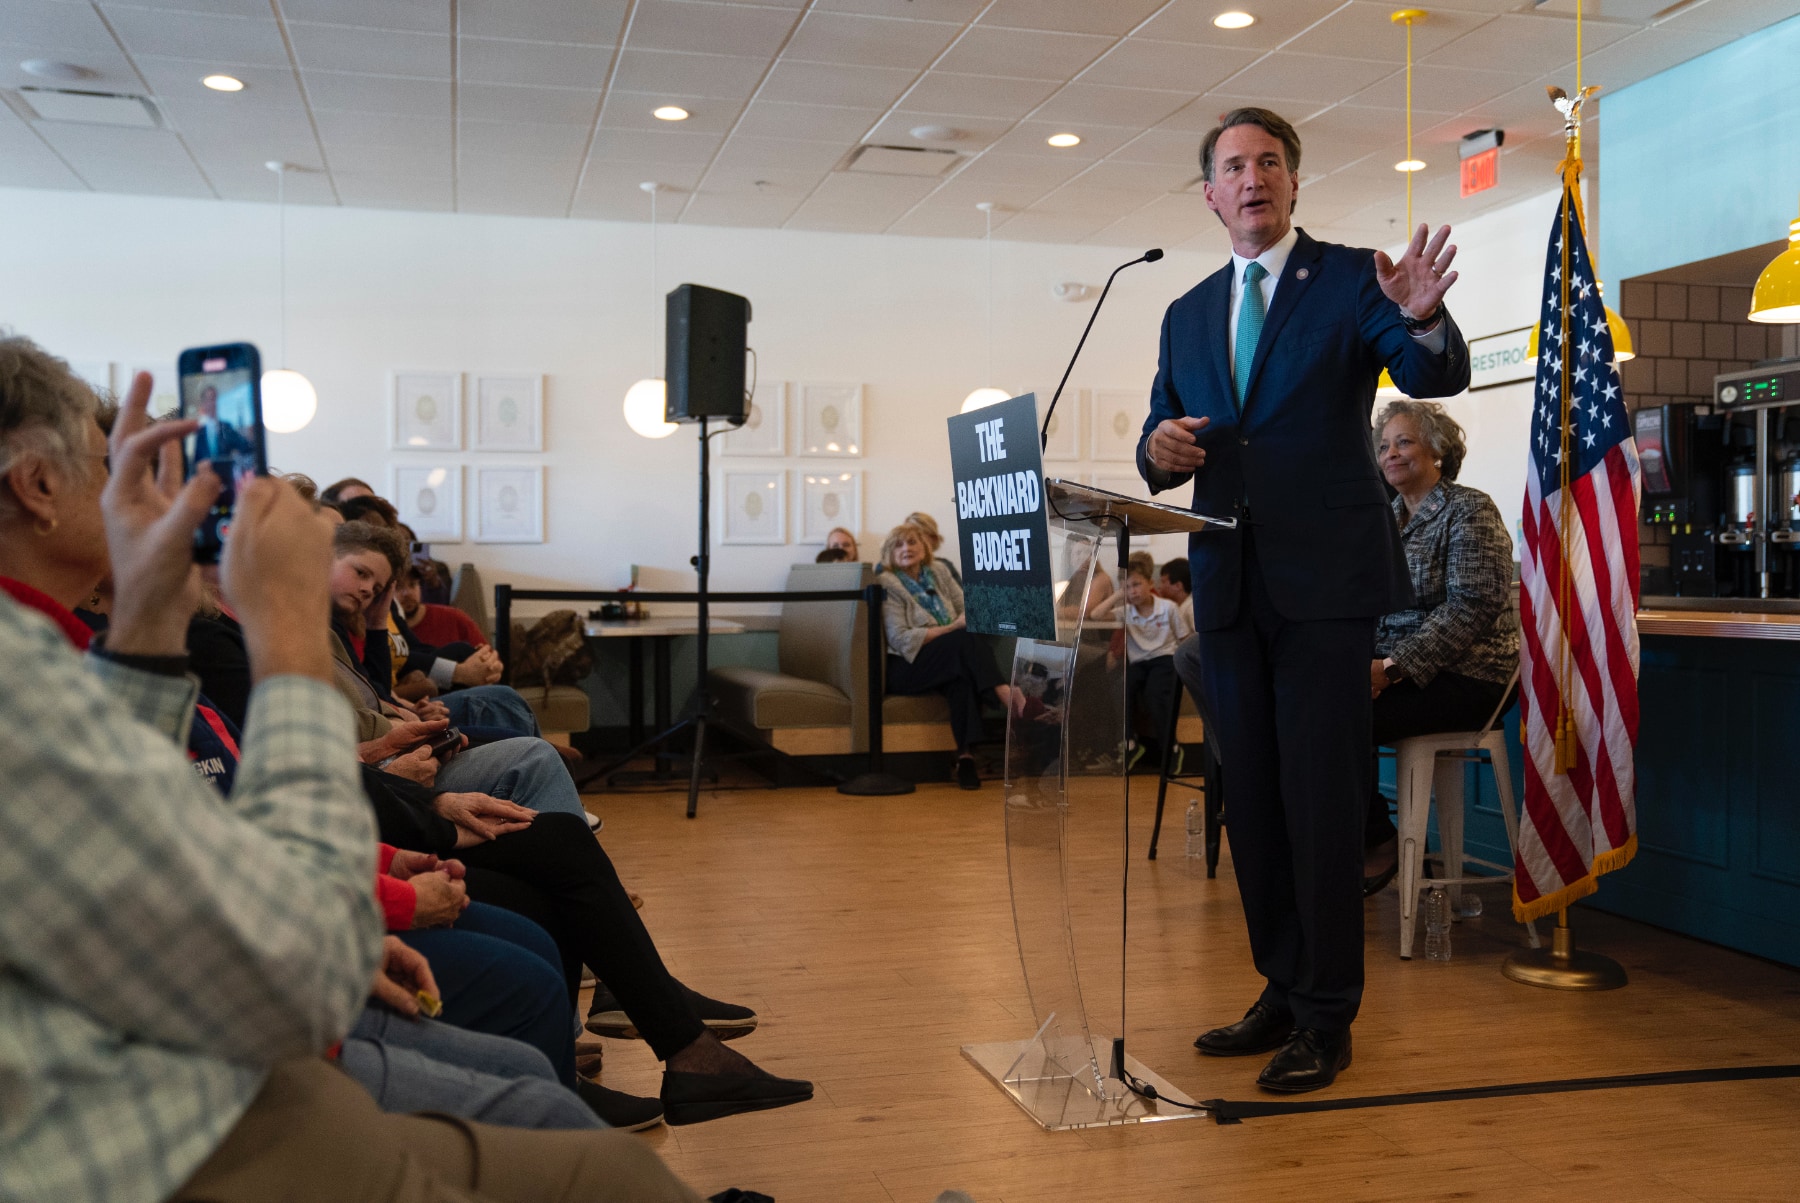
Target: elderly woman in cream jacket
(930, 649)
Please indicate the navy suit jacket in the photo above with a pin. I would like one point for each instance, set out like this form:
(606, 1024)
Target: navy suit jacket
(1299, 458)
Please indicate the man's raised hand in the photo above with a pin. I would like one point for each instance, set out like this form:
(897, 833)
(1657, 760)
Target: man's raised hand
(1418, 281)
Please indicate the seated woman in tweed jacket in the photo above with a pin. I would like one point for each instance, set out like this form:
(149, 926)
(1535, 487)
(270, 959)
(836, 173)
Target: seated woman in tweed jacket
(930, 649)
(1444, 664)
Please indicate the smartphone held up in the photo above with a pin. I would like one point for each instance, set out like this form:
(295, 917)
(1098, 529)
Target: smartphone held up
(221, 388)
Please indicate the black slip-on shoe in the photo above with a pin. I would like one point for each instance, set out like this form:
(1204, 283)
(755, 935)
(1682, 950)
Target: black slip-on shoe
(695, 1098)
(626, 1112)
(967, 775)
(725, 1020)
(1310, 1060)
(1262, 1028)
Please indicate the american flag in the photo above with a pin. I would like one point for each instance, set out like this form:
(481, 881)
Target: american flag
(1578, 585)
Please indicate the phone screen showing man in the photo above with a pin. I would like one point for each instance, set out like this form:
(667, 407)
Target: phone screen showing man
(221, 395)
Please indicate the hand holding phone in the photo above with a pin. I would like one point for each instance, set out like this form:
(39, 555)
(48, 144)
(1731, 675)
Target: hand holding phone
(221, 389)
(446, 744)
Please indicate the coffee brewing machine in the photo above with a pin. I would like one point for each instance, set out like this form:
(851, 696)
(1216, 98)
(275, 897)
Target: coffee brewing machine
(1724, 481)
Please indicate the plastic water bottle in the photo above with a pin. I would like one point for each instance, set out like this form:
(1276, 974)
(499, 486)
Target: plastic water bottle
(1437, 925)
(1469, 907)
(1196, 830)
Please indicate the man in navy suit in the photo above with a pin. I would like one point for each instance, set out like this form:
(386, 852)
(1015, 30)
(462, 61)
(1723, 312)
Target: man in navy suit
(1262, 397)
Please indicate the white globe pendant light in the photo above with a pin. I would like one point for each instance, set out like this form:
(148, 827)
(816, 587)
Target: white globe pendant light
(981, 398)
(289, 400)
(647, 401)
(987, 394)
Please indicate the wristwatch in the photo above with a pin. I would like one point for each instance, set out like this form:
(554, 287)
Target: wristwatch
(1393, 672)
(1419, 325)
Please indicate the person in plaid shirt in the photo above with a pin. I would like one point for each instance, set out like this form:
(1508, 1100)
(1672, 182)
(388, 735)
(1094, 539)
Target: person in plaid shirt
(1444, 664)
(173, 962)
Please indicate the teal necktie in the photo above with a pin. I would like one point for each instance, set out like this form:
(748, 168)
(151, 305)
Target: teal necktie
(1249, 331)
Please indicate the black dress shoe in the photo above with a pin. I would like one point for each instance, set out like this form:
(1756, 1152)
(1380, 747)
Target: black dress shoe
(967, 775)
(625, 1112)
(1310, 1060)
(1262, 1028)
(1374, 885)
(725, 1020)
(695, 1098)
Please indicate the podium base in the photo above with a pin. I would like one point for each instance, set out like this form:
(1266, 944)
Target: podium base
(1060, 1103)
(876, 785)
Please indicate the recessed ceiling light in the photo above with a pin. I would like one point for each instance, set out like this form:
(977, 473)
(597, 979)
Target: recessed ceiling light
(224, 83)
(670, 112)
(1234, 20)
(1410, 165)
(1064, 140)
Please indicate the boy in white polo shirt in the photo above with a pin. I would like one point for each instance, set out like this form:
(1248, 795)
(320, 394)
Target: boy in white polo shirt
(1154, 627)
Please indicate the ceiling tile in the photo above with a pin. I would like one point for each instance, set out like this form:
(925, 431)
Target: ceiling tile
(972, 133)
(419, 16)
(178, 34)
(361, 159)
(869, 41)
(1649, 51)
(512, 196)
(1439, 89)
(1176, 66)
(827, 83)
(1097, 141)
(810, 122)
(1192, 21)
(1165, 221)
(961, 11)
(288, 136)
(1034, 226)
(933, 221)
(532, 64)
(636, 110)
(519, 139)
(177, 81)
(1082, 104)
(593, 22)
(602, 177)
(409, 190)
(999, 168)
(63, 24)
(786, 154)
(497, 165)
(654, 146)
(849, 201)
(1023, 53)
(1162, 146)
(378, 51)
(1072, 16)
(1365, 29)
(764, 181)
(977, 95)
(384, 129)
(1146, 177)
(1529, 43)
(126, 160)
(699, 27)
(1304, 78)
(968, 192)
(378, 94)
(26, 162)
(1738, 18)
(1077, 197)
(253, 182)
(756, 211)
(503, 102)
(715, 75)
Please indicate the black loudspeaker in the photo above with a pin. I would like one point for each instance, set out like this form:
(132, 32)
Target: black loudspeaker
(706, 331)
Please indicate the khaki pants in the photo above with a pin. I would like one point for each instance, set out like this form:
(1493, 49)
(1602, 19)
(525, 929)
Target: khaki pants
(313, 1134)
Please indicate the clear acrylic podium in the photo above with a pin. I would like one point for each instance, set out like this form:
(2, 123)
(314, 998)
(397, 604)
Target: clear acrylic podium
(1067, 843)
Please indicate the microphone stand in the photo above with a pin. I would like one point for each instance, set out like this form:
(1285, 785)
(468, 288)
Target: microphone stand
(1149, 256)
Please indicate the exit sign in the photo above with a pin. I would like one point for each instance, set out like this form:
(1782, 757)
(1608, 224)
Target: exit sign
(1481, 171)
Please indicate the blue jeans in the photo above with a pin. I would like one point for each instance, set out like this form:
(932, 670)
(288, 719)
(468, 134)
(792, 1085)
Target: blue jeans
(500, 973)
(490, 706)
(527, 771)
(412, 1065)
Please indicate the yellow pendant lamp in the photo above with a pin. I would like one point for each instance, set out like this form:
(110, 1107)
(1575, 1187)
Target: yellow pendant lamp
(1777, 295)
(1385, 388)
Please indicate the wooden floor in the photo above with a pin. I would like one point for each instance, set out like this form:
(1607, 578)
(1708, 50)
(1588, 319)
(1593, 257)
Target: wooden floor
(875, 937)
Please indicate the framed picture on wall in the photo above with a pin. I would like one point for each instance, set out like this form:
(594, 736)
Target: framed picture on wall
(1065, 423)
(509, 413)
(429, 498)
(828, 500)
(764, 432)
(509, 504)
(755, 507)
(1118, 419)
(831, 420)
(427, 411)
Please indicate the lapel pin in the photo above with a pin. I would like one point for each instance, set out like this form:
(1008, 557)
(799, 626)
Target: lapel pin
(1303, 273)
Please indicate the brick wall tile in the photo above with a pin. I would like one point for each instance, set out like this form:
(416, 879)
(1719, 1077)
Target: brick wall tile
(1700, 376)
(1734, 304)
(1721, 340)
(1687, 340)
(1651, 337)
(1638, 376)
(1703, 303)
(1671, 376)
(1752, 341)
(1671, 302)
(1640, 299)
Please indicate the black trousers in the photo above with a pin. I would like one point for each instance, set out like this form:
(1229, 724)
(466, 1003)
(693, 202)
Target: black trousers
(1450, 703)
(959, 666)
(555, 873)
(1149, 693)
(1289, 702)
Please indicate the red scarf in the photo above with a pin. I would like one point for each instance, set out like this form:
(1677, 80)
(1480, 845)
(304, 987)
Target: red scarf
(36, 599)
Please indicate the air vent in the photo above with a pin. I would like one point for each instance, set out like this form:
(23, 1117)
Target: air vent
(90, 108)
(902, 160)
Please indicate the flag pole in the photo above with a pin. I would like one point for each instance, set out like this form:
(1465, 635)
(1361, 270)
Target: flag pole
(1562, 966)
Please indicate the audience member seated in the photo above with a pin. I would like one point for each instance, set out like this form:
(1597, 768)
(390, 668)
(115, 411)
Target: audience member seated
(1153, 630)
(934, 543)
(1443, 665)
(844, 541)
(1175, 582)
(377, 511)
(930, 649)
(429, 668)
(442, 627)
(1070, 603)
(832, 555)
(182, 987)
(346, 489)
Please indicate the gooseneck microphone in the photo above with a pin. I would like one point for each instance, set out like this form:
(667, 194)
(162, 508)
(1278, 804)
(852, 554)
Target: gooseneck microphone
(1149, 256)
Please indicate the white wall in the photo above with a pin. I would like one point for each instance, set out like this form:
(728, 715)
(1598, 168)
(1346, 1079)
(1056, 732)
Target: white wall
(133, 280)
